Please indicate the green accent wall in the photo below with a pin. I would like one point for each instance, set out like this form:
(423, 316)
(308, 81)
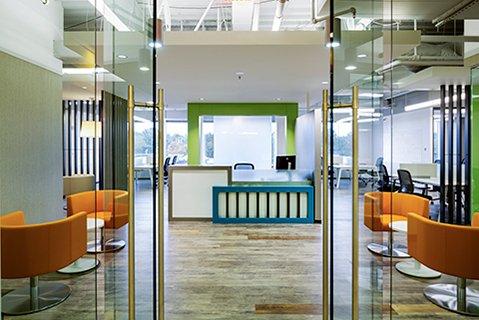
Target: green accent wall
(196, 110)
(475, 145)
(31, 140)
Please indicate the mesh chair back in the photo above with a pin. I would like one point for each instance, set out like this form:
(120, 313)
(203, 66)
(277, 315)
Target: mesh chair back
(383, 177)
(405, 179)
(243, 166)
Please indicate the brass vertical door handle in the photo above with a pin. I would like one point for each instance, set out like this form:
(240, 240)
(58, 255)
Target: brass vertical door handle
(131, 203)
(355, 209)
(325, 218)
(160, 206)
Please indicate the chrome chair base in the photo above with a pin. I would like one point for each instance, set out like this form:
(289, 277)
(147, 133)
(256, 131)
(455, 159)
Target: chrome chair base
(111, 245)
(397, 250)
(20, 302)
(81, 265)
(415, 269)
(445, 296)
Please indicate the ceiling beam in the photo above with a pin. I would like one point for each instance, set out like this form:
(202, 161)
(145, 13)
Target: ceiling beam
(203, 16)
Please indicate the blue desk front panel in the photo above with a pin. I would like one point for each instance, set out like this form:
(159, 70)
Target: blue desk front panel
(263, 204)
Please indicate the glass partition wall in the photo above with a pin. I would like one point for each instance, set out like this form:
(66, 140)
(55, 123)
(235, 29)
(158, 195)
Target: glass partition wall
(391, 255)
(98, 203)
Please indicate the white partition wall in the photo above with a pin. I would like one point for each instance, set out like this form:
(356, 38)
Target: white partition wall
(308, 151)
(243, 139)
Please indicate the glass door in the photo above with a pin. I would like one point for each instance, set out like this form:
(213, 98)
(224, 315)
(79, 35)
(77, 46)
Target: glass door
(356, 112)
(126, 39)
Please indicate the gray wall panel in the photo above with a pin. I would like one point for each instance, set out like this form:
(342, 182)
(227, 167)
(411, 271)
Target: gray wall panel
(31, 140)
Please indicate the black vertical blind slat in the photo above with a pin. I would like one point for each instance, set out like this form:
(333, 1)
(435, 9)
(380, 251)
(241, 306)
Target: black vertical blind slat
(288, 195)
(69, 138)
(459, 155)
(94, 141)
(257, 204)
(100, 145)
(298, 205)
(227, 204)
(442, 212)
(82, 166)
(75, 136)
(237, 204)
(450, 156)
(63, 137)
(467, 155)
(267, 204)
(87, 139)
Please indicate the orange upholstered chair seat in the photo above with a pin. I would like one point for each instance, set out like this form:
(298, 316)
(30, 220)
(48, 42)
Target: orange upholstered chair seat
(382, 208)
(475, 220)
(109, 205)
(29, 250)
(447, 248)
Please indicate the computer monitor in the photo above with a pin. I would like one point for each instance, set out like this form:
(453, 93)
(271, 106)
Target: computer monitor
(285, 162)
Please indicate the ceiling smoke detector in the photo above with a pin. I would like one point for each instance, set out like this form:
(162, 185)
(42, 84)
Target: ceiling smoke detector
(239, 75)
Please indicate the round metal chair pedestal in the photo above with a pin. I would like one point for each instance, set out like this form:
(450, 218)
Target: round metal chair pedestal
(81, 265)
(415, 269)
(397, 250)
(445, 296)
(20, 301)
(109, 246)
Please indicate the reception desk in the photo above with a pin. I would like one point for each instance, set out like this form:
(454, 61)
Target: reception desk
(224, 195)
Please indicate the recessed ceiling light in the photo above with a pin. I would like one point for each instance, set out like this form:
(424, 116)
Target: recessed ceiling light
(122, 56)
(144, 69)
(155, 44)
(325, 82)
(350, 68)
(362, 55)
(278, 99)
(202, 99)
(333, 44)
(84, 88)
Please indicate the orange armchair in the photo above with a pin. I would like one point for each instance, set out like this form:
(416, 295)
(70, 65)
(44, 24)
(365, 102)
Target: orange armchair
(109, 205)
(382, 208)
(36, 249)
(450, 249)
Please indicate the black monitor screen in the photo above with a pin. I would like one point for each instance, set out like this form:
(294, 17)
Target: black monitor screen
(285, 162)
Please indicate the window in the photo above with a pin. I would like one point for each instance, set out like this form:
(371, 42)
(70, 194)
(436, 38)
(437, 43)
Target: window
(176, 140)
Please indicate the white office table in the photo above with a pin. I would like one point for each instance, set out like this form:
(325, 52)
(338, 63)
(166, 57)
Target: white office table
(144, 167)
(347, 167)
(412, 267)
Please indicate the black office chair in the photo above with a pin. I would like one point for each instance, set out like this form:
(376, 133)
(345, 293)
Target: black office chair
(243, 166)
(384, 182)
(379, 163)
(166, 165)
(407, 185)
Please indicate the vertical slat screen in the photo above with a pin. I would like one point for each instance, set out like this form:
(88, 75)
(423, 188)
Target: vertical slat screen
(78, 153)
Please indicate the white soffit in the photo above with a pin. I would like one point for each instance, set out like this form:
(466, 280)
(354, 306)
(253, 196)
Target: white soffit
(242, 14)
(433, 77)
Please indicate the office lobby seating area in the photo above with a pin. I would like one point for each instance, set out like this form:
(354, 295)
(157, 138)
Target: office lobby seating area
(239, 159)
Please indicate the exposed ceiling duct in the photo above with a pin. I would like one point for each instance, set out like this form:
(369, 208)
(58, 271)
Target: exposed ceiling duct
(453, 12)
(242, 14)
(278, 15)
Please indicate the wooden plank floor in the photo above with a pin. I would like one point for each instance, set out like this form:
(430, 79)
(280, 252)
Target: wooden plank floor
(242, 272)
